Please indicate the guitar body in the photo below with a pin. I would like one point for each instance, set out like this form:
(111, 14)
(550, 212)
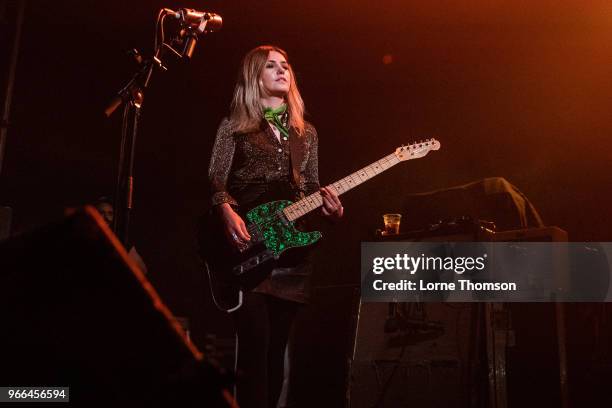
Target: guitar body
(229, 269)
(277, 233)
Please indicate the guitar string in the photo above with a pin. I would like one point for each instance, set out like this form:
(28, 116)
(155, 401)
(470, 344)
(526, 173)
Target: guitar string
(347, 181)
(319, 200)
(349, 184)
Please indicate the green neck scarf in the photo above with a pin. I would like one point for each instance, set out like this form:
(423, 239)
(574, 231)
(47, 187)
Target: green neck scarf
(275, 116)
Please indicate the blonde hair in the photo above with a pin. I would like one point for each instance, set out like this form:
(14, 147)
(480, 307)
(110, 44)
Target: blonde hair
(246, 108)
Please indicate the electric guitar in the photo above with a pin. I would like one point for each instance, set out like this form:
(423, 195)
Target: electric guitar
(273, 231)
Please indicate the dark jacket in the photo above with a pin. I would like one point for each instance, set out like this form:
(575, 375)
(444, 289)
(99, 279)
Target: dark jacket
(248, 169)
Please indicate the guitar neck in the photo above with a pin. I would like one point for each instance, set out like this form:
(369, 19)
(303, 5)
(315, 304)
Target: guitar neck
(314, 200)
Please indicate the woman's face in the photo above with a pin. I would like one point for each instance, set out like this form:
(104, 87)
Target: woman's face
(275, 77)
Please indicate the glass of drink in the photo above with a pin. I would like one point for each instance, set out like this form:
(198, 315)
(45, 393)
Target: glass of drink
(392, 223)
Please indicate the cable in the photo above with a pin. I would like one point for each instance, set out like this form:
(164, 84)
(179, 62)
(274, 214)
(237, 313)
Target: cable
(214, 298)
(160, 21)
(160, 32)
(387, 383)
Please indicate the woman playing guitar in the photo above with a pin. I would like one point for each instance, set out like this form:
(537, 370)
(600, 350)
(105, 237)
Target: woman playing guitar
(266, 151)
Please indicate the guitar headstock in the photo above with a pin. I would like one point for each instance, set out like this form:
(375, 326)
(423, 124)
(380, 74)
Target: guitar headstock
(416, 150)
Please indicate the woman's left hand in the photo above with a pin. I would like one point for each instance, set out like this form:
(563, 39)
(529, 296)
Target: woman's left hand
(332, 207)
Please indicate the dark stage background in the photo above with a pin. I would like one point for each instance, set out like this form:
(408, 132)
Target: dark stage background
(520, 90)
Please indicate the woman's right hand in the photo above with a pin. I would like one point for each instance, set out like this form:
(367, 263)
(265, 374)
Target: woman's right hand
(235, 228)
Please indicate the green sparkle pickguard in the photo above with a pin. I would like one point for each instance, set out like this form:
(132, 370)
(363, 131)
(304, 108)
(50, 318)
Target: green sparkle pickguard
(277, 233)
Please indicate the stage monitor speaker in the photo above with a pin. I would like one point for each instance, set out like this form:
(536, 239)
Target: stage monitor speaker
(76, 312)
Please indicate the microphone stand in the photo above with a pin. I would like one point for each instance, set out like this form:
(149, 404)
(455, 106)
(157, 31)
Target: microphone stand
(132, 95)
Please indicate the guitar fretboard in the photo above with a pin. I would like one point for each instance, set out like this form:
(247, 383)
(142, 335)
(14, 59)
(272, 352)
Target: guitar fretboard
(314, 200)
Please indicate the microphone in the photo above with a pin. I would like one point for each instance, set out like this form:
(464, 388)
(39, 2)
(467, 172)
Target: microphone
(201, 21)
(196, 23)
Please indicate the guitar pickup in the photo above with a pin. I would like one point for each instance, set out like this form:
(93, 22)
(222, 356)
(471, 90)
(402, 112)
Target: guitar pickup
(252, 262)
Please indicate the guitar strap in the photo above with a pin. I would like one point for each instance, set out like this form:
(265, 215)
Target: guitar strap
(296, 147)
